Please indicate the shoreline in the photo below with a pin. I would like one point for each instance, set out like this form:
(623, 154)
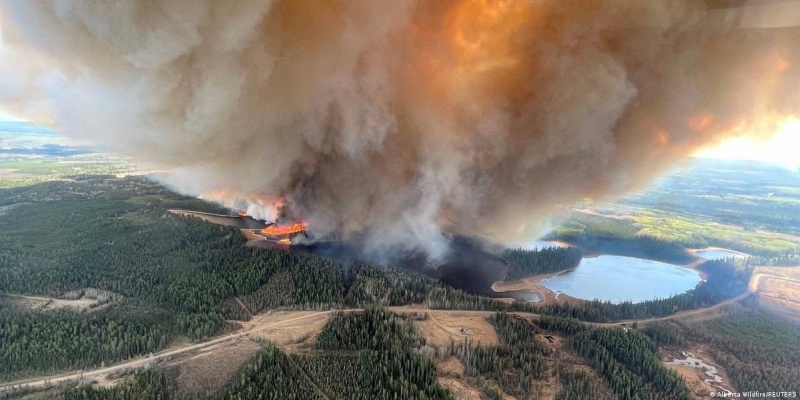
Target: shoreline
(533, 285)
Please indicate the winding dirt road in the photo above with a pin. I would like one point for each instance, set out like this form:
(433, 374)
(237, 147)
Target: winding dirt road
(243, 334)
(139, 362)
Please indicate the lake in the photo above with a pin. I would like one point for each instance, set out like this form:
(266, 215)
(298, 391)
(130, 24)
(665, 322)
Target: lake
(617, 279)
(718, 254)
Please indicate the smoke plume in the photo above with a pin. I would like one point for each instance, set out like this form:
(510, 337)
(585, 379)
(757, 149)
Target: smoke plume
(402, 121)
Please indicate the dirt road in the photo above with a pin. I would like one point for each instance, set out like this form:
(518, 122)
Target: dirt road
(88, 375)
(143, 361)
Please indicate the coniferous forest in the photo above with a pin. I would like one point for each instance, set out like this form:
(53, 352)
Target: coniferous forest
(156, 279)
(524, 263)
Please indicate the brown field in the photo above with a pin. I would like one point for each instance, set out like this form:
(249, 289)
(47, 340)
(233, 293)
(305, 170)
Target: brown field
(49, 303)
(200, 376)
(783, 272)
(441, 327)
(778, 289)
(460, 389)
(288, 330)
(450, 373)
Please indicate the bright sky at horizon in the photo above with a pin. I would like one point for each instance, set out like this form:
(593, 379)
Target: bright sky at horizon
(781, 149)
(4, 116)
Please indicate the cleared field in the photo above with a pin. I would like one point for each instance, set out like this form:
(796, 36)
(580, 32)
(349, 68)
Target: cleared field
(442, 327)
(778, 289)
(784, 272)
(460, 389)
(83, 304)
(201, 375)
(288, 329)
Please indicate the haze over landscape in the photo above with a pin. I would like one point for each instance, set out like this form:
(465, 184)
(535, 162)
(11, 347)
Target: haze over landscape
(461, 199)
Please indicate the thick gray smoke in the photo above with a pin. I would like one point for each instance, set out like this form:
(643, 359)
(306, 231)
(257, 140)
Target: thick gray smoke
(401, 120)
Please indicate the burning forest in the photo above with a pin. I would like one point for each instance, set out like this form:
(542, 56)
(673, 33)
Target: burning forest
(403, 122)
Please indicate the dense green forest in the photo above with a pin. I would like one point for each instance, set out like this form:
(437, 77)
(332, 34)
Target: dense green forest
(33, 342)
(271, 375)
(577, 385)
(524, 263)
(389, 364)
(147, 383)
(516, 363)
(366, 355)
(175, 275)
(627, 359)
(180, 276)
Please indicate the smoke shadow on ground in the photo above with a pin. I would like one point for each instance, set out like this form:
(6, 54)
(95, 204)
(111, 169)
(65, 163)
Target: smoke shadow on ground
(471, 264)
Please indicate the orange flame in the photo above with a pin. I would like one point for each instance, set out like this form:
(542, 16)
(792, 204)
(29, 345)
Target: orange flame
(281, 230)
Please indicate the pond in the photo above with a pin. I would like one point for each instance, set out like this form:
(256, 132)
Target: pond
(618, 279)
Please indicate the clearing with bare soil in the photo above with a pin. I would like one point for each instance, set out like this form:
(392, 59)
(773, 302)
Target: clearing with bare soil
(288, 330)
(253, 327)
(442, 327)
(701, 373)
(84, 300)
(203, 374)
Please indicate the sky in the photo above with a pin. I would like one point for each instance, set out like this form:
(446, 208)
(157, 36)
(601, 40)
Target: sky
(4, 116)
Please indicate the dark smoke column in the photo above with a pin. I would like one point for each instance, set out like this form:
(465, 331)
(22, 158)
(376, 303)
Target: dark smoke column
(404, 120)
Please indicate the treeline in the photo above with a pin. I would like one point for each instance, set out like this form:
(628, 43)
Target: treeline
(39, 343)
(597, 234)
(270, 376)
(369, 355)
(726, 279)
(117, 236)
(143, 384)
(524, 263)
(86, 187)
(627, 360)
(448, 298)
(787, 260)
(577, 385)
(375, 355)
(515, 364)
